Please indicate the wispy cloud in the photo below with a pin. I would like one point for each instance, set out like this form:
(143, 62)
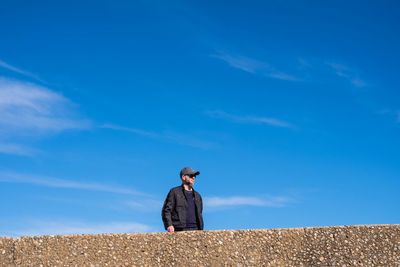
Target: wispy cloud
(12, 177)
(188, 140)
(145, 204)
(114, 203)
(345, 72)
(241, 62)
(27, 108)
(253, 66)
(16, 149)
(281, 76)
(65, 227)
(17, 70)
(246, 201)
(390, 113)
(131, 130)
(303, 69)
(248, 119)
(178, 138)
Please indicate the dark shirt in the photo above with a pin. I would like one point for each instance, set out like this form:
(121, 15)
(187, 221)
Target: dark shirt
(191, 210)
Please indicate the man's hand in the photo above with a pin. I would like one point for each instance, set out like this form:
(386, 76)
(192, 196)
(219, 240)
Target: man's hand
(171, 229)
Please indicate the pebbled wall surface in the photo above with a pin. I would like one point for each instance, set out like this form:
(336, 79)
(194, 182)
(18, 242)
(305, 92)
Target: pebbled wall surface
(374, 245)
(6, 251)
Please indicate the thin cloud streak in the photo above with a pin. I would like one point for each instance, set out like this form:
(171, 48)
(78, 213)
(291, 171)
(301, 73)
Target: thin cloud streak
(345, 72)
(132, 130)
(246, 201)
(282, 76)
(187, 140)
(15, 149)
(76, 227)
(17, 70)
(145, 204)
(253, 66)
(392, 114)
(27, 108)
(241, 62)
(12, 177)
(181, 139)
(248, 119)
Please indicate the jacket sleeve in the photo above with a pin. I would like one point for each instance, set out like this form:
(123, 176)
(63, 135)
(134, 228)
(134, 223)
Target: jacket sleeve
(200, 212)
(168, 206)
(201, 201)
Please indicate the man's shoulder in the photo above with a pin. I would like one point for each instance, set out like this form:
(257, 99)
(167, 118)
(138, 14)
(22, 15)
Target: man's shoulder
(176, 189)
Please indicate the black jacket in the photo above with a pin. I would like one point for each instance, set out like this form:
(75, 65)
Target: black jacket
(175, 206)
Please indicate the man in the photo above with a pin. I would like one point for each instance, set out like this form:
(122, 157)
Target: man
(183, 207)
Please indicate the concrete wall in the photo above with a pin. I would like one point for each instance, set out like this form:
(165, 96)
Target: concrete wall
(377, 245)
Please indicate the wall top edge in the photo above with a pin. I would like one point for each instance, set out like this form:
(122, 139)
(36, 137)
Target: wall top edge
(219, 231)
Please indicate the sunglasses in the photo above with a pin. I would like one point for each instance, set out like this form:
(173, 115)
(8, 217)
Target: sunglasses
(191, 175)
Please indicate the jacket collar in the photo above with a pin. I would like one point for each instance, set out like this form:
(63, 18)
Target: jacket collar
(183, 191)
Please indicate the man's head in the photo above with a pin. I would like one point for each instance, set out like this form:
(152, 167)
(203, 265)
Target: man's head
(188, 175)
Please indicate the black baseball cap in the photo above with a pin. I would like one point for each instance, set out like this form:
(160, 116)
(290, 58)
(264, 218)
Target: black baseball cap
(188, 170)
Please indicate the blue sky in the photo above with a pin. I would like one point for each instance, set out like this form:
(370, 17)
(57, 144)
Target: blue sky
(289, 109)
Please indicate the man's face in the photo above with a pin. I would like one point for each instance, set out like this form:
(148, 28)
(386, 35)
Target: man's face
(188, 179)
